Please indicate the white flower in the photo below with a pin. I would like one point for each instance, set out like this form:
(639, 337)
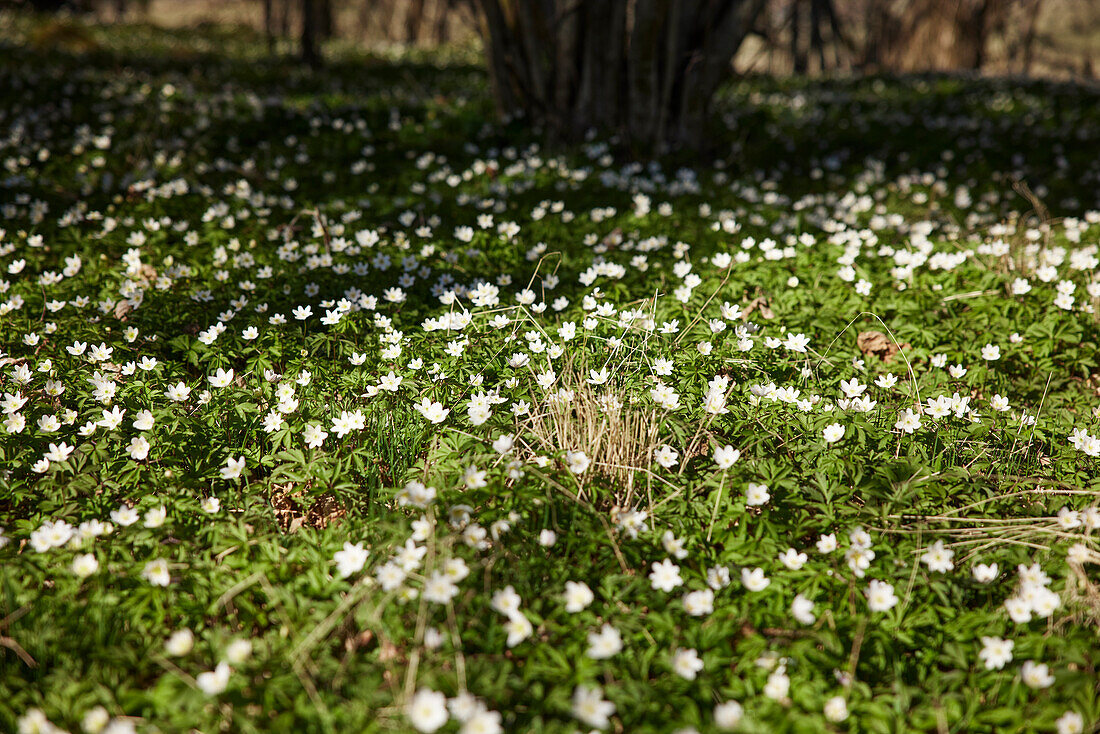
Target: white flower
(1070, 722)
(797, 343)
(802, 609)
(350, 560)
(390, 576)
(756, 494)
(1036, 675)
(673, 546)
(665, 575)
(852, 388)
(95, 721)
(836, 709)
(1043, 601)
(138, 448)
(35, 722)
(464, 706)
(666, 456)
(778, 685)
(506, 601)
(143, 420)
(519, 628)
(48, 423)
(699, 603)
(233, 468)
(908, 422)
(155, 517)
(577, 596)
(1019, 610)
(754, 580)
(439, 588)
(605, 643)
(590, 707)
(180, 643)
(792, 559)
(482, 721)
(84, 565)
(833, 433)
(859, 560)
(214, 681)
(686, 663)
(474, 477)
(238, 651)
(880, 596)
(577, 461)
(996, 652)
(112, 418)
(1069, 519)
(125, 515)
(938, 558)
(598, 377)
(718, 577)
(314, 435)
(886, 381)
(984, 573)
(221, 378)
(826, 543)
(726, 456)
(59, 452)
(156, 572)
(427, 710)
(432, 411)
(727, 715)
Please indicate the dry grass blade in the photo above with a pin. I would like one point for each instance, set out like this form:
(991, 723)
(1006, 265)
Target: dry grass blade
(618, 437)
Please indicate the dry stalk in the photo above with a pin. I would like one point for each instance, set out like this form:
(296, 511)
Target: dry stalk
(618, 436)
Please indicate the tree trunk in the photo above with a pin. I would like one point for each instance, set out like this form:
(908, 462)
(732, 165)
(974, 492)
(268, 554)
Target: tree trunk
(326, 23)
(647, 69)
(798, 58)
(284, 19)
(269, 25)
(309, 33)
(414, 18)
(1028, 42)
(817, 40)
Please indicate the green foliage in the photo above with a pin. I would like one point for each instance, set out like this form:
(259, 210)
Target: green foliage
(177, 212)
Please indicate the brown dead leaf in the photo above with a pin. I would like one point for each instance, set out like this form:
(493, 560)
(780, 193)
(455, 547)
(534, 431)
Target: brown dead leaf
(292, 516)
(878, 344)
(759, 303)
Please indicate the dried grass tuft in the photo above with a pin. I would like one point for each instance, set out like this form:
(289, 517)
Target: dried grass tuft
(619, 437)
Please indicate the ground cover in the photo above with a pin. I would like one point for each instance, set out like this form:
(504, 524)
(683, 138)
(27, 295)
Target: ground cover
(332, 404)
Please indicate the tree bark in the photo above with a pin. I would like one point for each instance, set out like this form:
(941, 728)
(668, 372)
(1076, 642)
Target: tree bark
(326, 23)
(647, 69)
(309, 33)
(269, 26)
(798, 58)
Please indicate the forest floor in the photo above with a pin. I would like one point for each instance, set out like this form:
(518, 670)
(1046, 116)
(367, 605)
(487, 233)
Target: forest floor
(329, 404)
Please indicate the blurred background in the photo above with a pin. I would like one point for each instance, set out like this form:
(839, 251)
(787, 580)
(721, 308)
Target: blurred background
(1047, 38)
